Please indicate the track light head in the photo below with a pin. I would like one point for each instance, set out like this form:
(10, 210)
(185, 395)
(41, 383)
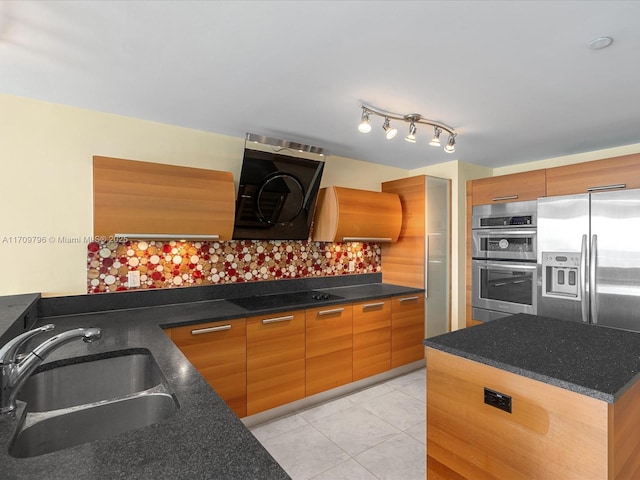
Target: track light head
(450, 147)
(390, 131)
(411, 138)
(435, 140)
(365, 126)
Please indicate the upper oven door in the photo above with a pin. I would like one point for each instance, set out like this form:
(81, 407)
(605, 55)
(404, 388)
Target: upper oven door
(504, 243)
(508, 287)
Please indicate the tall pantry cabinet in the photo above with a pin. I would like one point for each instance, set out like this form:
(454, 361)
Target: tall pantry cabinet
(421, 256)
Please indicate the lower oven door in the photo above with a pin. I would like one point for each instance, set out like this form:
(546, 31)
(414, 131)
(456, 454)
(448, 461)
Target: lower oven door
(509, 287)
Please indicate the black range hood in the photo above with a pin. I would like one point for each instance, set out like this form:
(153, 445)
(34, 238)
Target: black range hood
(277, 191)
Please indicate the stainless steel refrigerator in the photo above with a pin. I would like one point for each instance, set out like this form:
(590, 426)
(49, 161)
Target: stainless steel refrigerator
(589, 258)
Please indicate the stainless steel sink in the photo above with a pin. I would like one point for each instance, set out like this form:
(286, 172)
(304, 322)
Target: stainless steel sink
(89, 423)
(90, 379)
(91, 398)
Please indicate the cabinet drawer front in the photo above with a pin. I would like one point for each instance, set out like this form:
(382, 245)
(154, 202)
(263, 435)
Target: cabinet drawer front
(207, 332)
(613, 173)
(275, 360)
(515, 187)
(371, 315)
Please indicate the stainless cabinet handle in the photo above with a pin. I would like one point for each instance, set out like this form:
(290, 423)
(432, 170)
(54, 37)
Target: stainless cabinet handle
(508, 197)
(606, 187)
(329, 312)
(373, 305)
(366, 239)
(277, 319)
(408, 299)
(200, 331)
(584, 287)
(499, 284)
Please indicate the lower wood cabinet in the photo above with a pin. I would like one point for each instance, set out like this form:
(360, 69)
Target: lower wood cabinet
(218, 350)
(329, 347)
(371, 338)
(407, 329)
(275, 360)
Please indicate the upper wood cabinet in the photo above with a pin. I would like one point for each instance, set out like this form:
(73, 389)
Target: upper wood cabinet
(515, 187)
(611, 173)
(348, 214)
(156, 201)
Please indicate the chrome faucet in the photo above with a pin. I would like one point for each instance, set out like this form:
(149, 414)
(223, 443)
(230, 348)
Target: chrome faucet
(15, 371)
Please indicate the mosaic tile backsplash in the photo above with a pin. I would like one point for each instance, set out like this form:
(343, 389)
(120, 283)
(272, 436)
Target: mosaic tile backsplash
(180, 264)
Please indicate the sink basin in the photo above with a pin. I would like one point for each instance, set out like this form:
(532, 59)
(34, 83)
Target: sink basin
(93, 422)
(90, 379)
(90, 398)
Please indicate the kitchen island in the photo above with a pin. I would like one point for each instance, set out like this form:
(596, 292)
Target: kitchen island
(533, 397)
(203, 439)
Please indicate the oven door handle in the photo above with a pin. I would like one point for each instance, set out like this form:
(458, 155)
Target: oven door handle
(502, 233)
(505, 266)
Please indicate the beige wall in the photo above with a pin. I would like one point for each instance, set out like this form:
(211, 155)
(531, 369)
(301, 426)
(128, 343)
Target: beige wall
(46, 188)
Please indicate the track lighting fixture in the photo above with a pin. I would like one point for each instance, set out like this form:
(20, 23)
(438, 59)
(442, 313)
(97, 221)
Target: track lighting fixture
(390, 132)
(411, 138)
(450, 148)
(365, 126)
(435, 140)
(413, 119)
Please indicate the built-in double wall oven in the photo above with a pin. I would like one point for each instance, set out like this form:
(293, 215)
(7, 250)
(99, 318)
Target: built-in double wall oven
(504, 271)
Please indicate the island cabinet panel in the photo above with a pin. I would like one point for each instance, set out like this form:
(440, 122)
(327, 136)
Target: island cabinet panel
(371, 338)
(275, 360)
(515, 187)
(407, 329)
(329, 347)
(219, 351)
(551, 433)
(611, 173)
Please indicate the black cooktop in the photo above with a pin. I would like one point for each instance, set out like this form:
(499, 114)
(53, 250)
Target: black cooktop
(284, 300)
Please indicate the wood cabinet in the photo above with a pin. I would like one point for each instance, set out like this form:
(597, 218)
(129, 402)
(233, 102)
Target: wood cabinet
(549, 433)
(371, 338)
(515, 187)
(611, 173)
(329, 347)
(218, 350)
(348, 214)
(157, 201)
(407, 329)
(275, 360)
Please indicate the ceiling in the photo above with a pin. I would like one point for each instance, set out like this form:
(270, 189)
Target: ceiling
(515, 79)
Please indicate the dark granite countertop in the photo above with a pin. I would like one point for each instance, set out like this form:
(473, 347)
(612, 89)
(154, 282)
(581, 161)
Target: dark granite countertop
(596, 361)
(204, 439)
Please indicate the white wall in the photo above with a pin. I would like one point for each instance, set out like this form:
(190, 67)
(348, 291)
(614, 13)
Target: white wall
(46, 182)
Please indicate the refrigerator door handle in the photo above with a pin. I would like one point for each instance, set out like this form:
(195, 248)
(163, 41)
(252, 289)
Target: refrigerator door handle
(426, 266)
(593, 302)
(584, 303)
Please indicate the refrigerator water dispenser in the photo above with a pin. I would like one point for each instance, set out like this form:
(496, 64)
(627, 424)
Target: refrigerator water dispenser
(561, 275)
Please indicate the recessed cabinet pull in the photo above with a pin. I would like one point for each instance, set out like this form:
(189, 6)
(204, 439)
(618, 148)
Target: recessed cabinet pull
(373, 305)
(606, 187)
(329, 312)
(200, 331)
(277, 319)
(408, 299)
(508, 197)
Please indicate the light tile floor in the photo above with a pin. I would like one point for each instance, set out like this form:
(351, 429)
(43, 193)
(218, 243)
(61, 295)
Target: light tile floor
(376, 433)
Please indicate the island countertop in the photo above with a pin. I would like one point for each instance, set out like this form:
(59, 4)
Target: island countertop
(203, 439)
(596, 361)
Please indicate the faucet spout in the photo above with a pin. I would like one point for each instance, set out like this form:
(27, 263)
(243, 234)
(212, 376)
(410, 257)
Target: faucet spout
(15, 372)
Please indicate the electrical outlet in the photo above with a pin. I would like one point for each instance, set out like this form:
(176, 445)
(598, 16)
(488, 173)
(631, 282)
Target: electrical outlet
(133, 278)
(352, 265)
